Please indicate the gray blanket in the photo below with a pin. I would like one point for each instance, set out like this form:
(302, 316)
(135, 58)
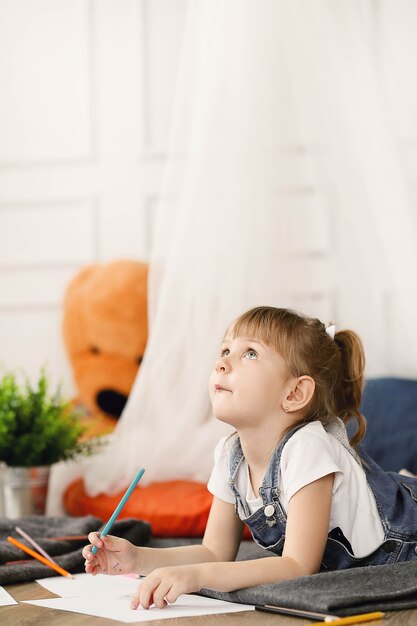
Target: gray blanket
(66, 552)
(346, 592)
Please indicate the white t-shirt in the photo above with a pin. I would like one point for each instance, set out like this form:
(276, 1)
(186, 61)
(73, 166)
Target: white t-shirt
(310, 454)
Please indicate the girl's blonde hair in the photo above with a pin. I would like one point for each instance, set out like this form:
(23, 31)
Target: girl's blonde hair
(336, 365)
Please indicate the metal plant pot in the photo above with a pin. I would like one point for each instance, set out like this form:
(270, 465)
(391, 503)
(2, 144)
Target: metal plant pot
(23, 490)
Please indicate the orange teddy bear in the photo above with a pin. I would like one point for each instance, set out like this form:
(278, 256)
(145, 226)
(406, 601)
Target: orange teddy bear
(105, 333)
(105, 330)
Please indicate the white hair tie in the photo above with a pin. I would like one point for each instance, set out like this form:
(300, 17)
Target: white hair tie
(331, 330)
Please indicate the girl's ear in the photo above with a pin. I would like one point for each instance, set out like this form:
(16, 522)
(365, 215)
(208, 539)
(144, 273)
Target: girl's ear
(300, 395)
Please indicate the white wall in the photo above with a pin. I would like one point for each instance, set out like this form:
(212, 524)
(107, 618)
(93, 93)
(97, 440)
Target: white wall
(86, 90)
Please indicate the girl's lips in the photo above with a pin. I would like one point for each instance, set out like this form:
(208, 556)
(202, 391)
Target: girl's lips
(220, 388)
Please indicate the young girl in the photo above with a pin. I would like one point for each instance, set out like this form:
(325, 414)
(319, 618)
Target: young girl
(287, 385)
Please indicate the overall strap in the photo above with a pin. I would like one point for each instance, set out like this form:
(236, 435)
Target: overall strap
(269, 490)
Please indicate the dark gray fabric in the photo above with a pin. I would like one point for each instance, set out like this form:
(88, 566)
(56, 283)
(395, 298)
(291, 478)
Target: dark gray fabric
(343, 592)
(67, 553)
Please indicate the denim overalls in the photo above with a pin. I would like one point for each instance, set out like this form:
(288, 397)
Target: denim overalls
(396, 501)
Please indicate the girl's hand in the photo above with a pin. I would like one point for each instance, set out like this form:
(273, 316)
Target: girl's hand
(114, 555)
(165, 584)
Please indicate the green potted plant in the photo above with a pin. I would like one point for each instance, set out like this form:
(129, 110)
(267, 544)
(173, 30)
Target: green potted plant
(37, 429)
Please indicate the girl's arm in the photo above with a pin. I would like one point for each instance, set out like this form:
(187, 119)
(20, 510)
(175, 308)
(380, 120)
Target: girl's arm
(306, 535)
(220, 543)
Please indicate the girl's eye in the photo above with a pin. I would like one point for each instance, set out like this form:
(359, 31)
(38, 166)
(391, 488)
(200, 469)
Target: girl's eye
(225, 352)
(251, 354)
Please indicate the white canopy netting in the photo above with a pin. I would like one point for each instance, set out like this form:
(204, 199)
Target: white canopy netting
(285, 186)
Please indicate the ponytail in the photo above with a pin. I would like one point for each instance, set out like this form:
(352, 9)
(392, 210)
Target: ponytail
(349, 387)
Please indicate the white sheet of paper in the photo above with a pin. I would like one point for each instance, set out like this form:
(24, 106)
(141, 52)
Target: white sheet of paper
(5, 598)
(118, 607)
(87, 586)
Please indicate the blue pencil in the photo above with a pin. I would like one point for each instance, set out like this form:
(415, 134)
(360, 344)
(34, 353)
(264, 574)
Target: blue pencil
(119, 507)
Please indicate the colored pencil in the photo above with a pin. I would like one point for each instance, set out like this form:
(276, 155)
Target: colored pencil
(119, 507)
(70, 538)
(352, 619)
(273, 608)
(34, 544)
(39, 557)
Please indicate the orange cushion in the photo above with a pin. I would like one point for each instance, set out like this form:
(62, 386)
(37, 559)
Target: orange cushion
(177, 508)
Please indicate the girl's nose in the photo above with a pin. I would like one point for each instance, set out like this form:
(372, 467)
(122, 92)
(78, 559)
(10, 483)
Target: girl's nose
(222, 365)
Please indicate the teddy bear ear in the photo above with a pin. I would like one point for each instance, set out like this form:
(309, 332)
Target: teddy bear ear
(73, 322)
